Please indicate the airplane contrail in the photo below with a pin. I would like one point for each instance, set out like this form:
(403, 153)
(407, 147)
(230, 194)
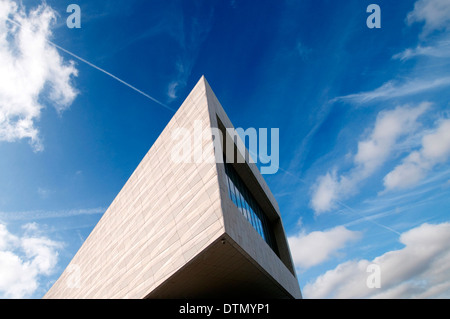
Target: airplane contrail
(101, 70)
(111, 75)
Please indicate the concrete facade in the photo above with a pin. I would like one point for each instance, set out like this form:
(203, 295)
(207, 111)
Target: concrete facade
(173, 232)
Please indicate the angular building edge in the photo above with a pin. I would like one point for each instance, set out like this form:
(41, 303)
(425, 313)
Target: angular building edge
(166, 216)
(280, 268)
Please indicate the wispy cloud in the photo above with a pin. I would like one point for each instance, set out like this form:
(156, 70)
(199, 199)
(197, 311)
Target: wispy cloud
(401, 201)
(303, 51)
(439, 50)
(375, 150)
(421, 79)
(395, 89)
(44, 193)
(45, 214)
(190, 35)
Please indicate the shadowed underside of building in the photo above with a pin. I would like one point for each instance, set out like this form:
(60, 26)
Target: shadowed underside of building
(187, 229)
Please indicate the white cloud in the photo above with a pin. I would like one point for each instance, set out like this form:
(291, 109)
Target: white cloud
(390, 126)
(325, 193)
(316, 247)
(31, 69)
(435, 150)
(434, 13)
(419, 270)
(6, 238)
(23, 260)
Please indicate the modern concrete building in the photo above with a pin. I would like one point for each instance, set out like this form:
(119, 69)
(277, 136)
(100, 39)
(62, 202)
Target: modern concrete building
(195, 228)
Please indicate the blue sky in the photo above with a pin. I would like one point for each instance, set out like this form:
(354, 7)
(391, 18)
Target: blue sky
(363, 116)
